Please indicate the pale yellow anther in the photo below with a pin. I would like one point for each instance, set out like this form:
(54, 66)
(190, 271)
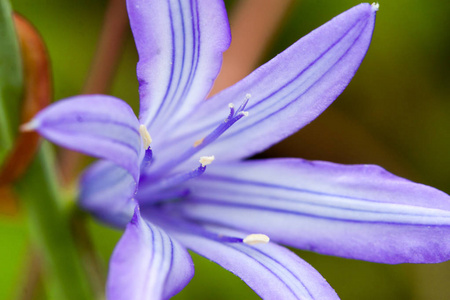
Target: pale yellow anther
(375, 6)
(145, 136)
(206, 160)
(247, 96)
(256, 238)
(199, 142)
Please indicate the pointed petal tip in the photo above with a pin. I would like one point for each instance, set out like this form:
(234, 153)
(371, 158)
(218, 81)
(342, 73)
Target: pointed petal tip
(30, 126)
(375, 6)
(293, 88)
(97, 125)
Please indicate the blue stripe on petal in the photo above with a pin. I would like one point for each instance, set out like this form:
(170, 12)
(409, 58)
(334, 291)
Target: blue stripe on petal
(97, 125)
(180, 45)
(360, 212)
(147, 264)
(106, 191)
(273, 272)
(287, 93)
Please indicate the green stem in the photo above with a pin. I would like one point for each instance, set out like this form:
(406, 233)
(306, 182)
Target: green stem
(11, 80)
(32, 277)
(50, 227)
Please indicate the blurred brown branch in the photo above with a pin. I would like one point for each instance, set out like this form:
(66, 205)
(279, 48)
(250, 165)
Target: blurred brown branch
(103, 68)
(253, 24)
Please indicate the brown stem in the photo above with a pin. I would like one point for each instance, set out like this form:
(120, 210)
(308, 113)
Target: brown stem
(9, 202)
(253, 23)
(103, 68)
(109, 50)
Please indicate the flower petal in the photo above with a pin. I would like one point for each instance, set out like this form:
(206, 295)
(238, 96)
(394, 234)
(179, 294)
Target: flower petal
(287, 93)
(98, 125)
(180, 45)
(360, 211)
(147, 264)
(107, 191)
(273, 272)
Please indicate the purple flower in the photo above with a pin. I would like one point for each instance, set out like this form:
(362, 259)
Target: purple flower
(226, 210)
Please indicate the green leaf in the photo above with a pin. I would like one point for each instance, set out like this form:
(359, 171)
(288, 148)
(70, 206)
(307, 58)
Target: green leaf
(11, 80)
(50, 227)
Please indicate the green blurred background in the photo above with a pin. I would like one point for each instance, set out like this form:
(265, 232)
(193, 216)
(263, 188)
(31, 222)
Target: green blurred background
(395, 113)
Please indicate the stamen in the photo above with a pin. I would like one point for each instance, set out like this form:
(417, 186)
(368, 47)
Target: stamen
(145, 136)
(206, 160)
(231, 107)
(244, 104)
(233, 117)
(256, 238)
(177, 179)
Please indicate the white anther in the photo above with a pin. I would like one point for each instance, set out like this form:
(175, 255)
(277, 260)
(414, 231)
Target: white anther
(206, 160)
(32, 125)
(145, 136)
(256, 238)
(247, 96)
(245, 113)
(231, 105)
(375, 6)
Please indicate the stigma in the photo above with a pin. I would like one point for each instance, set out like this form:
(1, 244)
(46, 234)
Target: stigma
(256, 238)
(146, 138)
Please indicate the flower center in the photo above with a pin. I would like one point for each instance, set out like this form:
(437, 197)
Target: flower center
(160, 186)
(233, 117)
(163, 189)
